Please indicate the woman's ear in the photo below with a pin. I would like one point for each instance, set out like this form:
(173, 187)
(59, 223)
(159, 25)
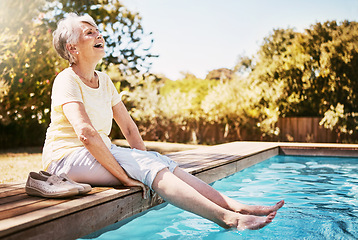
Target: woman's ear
(72, 49)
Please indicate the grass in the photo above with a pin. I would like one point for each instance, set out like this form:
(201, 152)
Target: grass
(15, 167)
(16, 164)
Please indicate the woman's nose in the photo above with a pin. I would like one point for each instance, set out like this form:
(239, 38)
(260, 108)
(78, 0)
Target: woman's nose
(99, 36)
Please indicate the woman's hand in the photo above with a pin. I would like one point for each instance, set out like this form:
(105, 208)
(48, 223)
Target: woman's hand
(134, 183)
(80, 121)
(128, 126)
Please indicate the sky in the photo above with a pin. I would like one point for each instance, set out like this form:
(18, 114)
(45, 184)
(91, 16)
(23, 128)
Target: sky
(198, 36)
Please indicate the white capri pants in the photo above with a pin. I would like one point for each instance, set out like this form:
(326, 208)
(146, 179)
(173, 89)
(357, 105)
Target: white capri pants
(82, 167)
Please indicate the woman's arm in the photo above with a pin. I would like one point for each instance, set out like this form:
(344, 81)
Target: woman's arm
(77, 116)
(128, 126)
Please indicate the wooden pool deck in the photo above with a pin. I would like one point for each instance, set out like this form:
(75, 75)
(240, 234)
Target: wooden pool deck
(26, 217)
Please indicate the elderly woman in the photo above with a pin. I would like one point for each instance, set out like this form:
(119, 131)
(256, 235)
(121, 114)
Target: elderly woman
(84, 102)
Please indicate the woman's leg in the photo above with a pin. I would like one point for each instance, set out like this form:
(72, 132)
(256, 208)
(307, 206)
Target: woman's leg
(222, 200)
(182, 195)
(82, 167)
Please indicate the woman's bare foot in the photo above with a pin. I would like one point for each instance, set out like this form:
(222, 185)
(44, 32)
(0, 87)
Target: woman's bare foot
(242, 222)
(261, 210)
(254, 222)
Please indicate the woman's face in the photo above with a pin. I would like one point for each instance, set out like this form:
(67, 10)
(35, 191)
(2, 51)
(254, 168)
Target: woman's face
(90, 43)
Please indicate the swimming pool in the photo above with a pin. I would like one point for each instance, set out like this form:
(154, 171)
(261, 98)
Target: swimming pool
(321, 203)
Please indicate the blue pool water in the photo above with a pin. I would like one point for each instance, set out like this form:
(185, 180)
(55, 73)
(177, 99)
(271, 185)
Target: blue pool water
(321, 195)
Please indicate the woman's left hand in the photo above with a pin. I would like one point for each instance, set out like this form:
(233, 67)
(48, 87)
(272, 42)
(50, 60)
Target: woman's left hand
(135, 183)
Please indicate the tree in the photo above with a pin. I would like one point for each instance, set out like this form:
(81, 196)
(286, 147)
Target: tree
(181, 102)
(269, 67)
(237, 104)
(317, 69)
(27, 66)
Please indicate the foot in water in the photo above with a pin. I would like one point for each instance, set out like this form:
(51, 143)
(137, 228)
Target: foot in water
(254, 222)
(261, 210)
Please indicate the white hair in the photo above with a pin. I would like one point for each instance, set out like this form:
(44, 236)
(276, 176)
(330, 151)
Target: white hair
(67, 33)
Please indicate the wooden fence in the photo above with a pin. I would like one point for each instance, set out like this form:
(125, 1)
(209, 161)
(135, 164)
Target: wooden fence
(305, 129)
(292, 129)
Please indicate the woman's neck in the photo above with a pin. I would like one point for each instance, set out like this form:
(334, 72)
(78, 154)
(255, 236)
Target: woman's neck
(86, 73)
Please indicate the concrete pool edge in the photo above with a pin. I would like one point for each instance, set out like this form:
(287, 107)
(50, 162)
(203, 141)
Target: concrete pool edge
(310, 149)
(264, 150)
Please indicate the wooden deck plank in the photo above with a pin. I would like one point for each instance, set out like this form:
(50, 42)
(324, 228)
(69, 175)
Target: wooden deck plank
(20, 204)
(53, 208)
(11, 192)
(10, 187)
(14, 201)
(31, 207)
(87, 221)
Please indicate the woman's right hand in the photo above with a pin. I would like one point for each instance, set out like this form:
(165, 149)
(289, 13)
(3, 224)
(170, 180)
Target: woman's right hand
(135, 183)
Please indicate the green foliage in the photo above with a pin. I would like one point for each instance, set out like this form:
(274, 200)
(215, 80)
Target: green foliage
(161, 110)
(191, 87)
(27, 66)
(190, 106)
(237, 104)
(312, 73)
(336, 119)
(317, 70)
(271, 68)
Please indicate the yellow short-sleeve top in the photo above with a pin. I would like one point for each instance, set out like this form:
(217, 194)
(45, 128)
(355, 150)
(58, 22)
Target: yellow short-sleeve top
(61, 138)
